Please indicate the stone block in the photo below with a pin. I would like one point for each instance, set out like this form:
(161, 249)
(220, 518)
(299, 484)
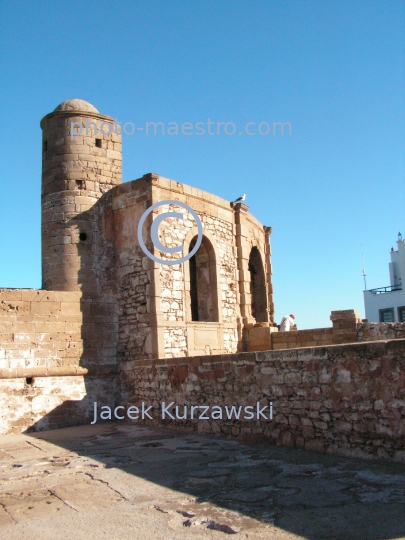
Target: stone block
(71, 308)
(316, 445)
(49, 327)
(14, 307)
(10, 294)
(44, 308)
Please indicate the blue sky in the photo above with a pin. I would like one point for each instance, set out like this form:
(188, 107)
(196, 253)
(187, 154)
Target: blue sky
(334, 70)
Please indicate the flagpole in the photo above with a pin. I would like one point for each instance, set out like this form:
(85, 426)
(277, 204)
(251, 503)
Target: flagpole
(364, 269)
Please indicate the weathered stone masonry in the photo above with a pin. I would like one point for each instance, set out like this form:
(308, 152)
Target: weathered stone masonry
(346, 399)
(347, 327)
(53, 362)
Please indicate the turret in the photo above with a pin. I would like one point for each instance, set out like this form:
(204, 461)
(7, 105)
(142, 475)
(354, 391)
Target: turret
(81, 160)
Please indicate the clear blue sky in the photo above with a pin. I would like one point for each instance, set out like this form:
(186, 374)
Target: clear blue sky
(334, 70)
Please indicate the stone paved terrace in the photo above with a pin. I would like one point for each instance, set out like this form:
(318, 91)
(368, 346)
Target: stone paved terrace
(122, 481)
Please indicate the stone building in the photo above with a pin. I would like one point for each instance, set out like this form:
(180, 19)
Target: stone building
(112, 326)
(103, 300)
(89, 244)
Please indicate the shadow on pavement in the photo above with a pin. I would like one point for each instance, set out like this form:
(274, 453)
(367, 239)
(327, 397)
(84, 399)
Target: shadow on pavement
(229, 486)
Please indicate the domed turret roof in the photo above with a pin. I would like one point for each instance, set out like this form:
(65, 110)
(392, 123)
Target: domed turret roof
(76, 105)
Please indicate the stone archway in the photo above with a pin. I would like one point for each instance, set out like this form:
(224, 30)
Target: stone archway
(203, 283)
(258, 287)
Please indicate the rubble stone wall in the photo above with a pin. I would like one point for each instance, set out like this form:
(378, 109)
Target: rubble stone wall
(347, 328)
(222, 232)
(230, 340)
(380, 331)
(174, 300)
(173, 232)
(133, 270)
(345, 399)
(175, 339)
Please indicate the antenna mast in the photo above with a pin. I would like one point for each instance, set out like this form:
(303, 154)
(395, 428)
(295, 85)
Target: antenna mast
(364, 269)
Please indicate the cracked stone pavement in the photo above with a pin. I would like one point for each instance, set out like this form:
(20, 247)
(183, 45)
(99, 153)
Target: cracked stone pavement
(123, 481)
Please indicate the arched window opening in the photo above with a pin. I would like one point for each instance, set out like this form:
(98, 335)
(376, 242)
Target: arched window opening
(257, 287)
(203, 283)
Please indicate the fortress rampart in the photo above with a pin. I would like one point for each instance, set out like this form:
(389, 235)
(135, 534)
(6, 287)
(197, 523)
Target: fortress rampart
(110, 325)
(345, 399)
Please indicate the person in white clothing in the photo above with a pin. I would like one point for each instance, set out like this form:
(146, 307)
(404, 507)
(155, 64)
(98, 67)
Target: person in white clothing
(286, 323)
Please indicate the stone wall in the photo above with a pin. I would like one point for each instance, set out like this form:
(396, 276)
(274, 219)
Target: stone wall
(56, 328)
(347, 328)
(230, 340)
(380, 331)
(134, 271)
(302, 338)
(174, 298)
(181, 334)
(345, 324)
(346, 399)
(40, 328)
(53, 398)
(175, 339)
(57, 353)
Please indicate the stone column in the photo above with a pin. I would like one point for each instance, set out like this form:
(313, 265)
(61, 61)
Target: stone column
(242, 257)
(268, 270)
(157, 321)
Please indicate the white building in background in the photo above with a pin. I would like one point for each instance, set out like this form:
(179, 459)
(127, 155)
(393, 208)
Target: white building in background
(387, 304)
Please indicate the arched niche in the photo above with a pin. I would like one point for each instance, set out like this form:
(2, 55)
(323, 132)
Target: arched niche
(258, 286)
(202, 278)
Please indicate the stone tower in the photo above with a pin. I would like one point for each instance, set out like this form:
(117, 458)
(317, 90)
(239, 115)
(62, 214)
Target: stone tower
(81, 160)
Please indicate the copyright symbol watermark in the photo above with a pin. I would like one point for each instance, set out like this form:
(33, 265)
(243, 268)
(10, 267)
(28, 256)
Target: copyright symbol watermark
(154, 232)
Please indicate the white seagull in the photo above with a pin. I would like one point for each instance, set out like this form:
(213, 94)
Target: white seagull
(240, 199)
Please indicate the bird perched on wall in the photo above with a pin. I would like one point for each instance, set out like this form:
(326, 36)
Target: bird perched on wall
(240, 199)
